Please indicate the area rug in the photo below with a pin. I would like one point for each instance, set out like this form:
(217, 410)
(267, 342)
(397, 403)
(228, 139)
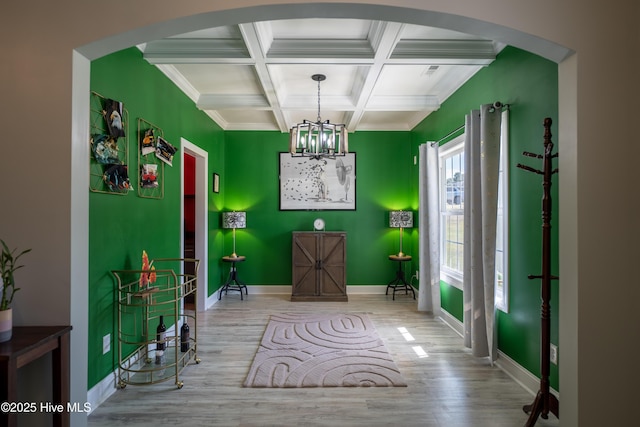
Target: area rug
(322, 350)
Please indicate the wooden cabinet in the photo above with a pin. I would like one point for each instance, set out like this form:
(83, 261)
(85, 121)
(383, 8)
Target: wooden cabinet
(319, 266)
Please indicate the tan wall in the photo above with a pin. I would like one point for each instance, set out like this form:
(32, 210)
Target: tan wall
(44, 151)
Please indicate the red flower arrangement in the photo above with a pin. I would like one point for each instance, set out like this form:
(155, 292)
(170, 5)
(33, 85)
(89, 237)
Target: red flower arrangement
(148, 277)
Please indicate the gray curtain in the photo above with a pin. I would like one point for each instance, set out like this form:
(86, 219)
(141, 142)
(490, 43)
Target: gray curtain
(429, 229)
(482, 158)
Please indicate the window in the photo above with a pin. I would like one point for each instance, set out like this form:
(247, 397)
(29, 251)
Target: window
(452, 211)
(502, 226)
(452, 218)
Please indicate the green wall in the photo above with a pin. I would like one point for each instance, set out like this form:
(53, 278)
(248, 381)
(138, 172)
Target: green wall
(530, 84)
(383, 174)
(120, 227)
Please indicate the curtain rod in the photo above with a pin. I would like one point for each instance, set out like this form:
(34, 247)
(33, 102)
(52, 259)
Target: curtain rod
(496, 106)
(447, 135)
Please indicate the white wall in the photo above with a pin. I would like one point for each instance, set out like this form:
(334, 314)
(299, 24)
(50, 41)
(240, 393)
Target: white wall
(43, 178)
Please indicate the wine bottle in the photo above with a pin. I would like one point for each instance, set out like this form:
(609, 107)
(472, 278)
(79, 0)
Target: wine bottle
(161, 336)
(184, 337)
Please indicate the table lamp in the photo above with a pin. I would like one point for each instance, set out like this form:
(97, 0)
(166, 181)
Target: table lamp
(401, 219)
(234, 220)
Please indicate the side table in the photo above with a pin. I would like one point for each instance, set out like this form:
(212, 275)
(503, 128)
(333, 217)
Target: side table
(399, 283)
(233, 283)
(27, 344)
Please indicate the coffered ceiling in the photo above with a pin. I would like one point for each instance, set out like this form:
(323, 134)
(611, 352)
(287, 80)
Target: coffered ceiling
(379, 75)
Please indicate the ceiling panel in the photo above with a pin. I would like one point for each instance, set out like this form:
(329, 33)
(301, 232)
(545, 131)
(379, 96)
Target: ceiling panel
(245, 119)
(221, 78)
(297, 89)
(379, 75)
(334, 116)
(391, 120)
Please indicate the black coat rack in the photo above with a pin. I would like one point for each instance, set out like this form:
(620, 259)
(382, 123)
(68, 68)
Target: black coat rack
(544, 401)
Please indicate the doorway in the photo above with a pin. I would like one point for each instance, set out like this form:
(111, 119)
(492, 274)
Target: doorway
(194, 220)
(189, 214)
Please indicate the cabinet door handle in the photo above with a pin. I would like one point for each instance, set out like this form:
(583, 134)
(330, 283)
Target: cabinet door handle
(319, 265)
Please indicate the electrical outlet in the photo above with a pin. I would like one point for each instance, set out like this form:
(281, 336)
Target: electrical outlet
(106, 344)
(417, 274)
(553, 354)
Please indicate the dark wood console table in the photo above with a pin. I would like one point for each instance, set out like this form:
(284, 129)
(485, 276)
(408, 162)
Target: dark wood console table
(27, 344)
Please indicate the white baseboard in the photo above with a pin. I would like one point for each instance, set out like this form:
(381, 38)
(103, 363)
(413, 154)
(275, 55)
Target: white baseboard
(519, 374)
(526, 379)
(367, 289)
(269, 289)
(100, 392)
(210, 300)
(452, 322)
(286, 289)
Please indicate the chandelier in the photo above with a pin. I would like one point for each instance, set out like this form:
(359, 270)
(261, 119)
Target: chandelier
(318, 139)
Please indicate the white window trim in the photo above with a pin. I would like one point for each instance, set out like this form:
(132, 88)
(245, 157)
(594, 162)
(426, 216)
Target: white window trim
(454, 278)
(451, 277)
(503, 304)
(452, 147)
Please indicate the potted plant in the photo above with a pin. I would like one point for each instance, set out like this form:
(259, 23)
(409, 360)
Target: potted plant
(8, 265)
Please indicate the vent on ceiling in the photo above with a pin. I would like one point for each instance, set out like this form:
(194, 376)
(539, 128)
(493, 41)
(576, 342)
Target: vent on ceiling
(430, 70)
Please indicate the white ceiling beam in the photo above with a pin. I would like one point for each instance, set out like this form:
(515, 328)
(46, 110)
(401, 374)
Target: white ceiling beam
(249, 51)
(337, 103)
(320, 48)
(252, 126)
(329, 102)
(232, 102)
(255, 41)
(383, 38)
(195, 51)
(444, 49)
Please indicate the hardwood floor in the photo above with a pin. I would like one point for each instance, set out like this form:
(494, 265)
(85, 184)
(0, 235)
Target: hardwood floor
(449, 388)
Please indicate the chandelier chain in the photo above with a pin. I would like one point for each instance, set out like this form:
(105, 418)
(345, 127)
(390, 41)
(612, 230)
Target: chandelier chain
(319, 119)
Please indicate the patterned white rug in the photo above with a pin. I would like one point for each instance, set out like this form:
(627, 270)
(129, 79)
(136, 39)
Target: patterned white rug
(322, 350)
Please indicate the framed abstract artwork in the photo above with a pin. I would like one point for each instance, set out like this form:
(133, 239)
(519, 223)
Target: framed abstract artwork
(317, 184)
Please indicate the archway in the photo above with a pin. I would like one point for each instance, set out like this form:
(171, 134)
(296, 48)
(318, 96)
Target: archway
(85, 54)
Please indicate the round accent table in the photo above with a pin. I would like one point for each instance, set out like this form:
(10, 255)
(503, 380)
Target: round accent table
(399, 283)
(233, 283)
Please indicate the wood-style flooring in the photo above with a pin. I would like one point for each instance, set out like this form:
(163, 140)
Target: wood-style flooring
(448, 388)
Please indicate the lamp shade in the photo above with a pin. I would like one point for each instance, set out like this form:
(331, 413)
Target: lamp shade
(400, 219)
(234, 220)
